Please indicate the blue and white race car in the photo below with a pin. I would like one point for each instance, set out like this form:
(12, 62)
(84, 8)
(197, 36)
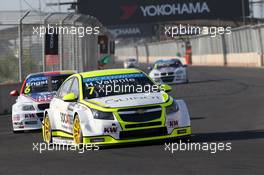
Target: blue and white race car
(169, 72)
(35, 95)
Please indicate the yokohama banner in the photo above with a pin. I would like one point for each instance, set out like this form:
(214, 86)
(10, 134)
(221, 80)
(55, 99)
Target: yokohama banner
(129, 31)
(116, 12)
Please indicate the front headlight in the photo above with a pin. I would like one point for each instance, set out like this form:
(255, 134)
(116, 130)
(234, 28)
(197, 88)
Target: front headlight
(102, 115)
(172, 108)
(27, 108)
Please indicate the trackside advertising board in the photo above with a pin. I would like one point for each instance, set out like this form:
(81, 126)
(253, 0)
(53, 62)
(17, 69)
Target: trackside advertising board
(116, 12)
(135, 30)
(51, 48)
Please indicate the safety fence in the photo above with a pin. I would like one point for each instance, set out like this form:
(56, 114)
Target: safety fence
(242, 47)
(23, 47)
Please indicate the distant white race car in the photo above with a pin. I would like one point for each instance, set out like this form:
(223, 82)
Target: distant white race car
(169, 71)
(35, 95)
(130, 63)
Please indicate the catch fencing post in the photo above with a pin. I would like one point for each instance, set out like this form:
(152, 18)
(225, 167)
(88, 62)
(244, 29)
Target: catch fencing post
(261, 46)
(147, 53)
(20, 56)
(137, 54)
(224, 49)
(61, 42)
(43, 43)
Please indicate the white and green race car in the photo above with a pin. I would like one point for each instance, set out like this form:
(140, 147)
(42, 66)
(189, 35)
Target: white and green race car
(111, 107)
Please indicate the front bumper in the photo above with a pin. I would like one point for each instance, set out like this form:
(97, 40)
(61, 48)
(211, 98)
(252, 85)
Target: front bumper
(109, 140)
(170, 79)
(27, 121)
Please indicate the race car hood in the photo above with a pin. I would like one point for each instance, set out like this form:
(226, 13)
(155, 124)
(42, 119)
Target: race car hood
(42, 97)
(128, 100)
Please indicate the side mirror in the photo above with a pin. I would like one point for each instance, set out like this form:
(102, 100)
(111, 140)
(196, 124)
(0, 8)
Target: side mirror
(14, 93)
(70, 97)
(185, 65)
(165, 87)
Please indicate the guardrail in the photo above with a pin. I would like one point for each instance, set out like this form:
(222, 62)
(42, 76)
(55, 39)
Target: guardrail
(23, 43)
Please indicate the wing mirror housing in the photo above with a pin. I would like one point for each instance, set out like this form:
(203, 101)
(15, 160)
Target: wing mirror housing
(14, 93)
(70, 97)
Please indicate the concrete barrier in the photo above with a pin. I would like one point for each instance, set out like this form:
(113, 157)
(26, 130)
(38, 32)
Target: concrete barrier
(7, 101)
(250, 59)
(244, 59)
(213, 59)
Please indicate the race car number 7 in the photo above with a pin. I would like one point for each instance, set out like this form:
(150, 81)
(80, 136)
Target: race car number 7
(91, 89)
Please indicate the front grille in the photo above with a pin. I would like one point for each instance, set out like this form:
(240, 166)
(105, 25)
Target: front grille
(166, 73)
(40, 116)
(143, 133)
(31, 122)
(167, 79)
(142, 125)
(148, 114)
(43, 106)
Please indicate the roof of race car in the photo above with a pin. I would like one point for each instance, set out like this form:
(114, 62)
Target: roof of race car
(109, 72)
(62, 72)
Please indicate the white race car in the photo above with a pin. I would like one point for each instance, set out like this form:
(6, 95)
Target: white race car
(130, 63)
(94, 108)
(37, 91)
(169, 71)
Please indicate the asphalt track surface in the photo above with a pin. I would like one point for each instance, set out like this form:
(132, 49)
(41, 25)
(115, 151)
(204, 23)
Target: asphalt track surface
(226, 105)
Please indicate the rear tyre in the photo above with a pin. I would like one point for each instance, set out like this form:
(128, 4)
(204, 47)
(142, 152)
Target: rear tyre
(77, 131)
(47, 135)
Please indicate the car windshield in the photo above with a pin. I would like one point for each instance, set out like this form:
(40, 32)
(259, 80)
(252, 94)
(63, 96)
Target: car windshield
(38, 84)
(131, 60)
(111, 85)
(166, 64)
